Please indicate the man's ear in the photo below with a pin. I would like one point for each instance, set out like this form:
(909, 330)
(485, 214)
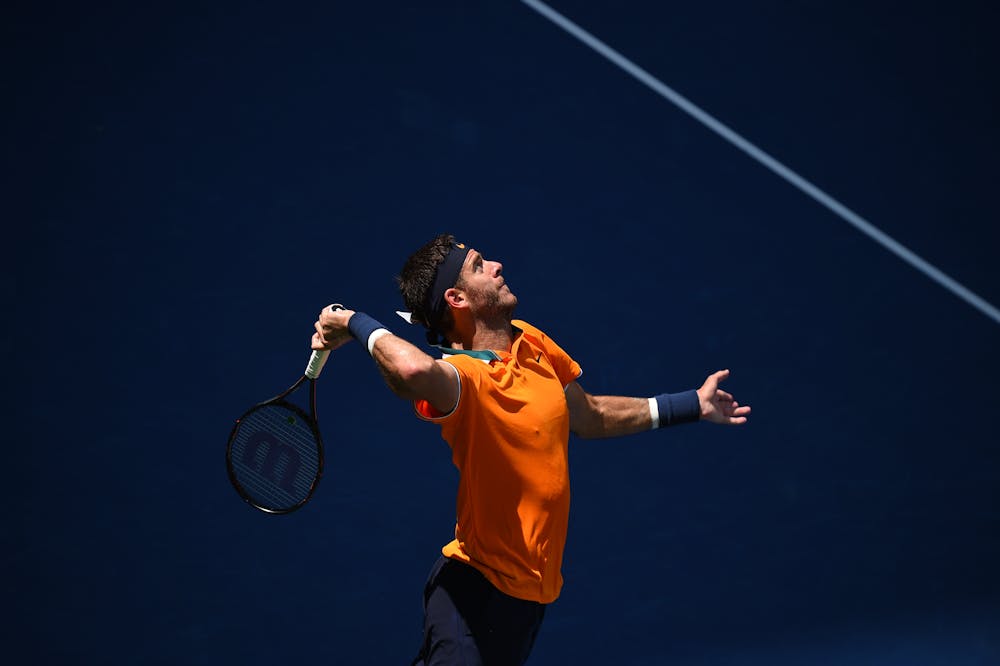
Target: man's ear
(455, 298)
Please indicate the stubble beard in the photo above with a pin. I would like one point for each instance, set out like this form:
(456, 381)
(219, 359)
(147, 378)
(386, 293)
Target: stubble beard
(495, 305)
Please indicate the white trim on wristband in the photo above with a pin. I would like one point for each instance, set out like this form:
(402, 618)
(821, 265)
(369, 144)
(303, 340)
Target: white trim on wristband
(375, 335)
(654, 414)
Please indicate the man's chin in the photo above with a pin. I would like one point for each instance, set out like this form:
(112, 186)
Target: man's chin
(508, 306)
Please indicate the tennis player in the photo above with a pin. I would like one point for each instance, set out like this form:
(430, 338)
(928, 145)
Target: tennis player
(506, 398)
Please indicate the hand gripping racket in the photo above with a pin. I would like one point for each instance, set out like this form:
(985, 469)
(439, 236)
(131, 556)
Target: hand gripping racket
(275, 453)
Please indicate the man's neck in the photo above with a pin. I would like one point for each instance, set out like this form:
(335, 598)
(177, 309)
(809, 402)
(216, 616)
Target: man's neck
(498, 336)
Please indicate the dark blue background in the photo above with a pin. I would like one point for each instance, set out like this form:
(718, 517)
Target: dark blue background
(188, 186)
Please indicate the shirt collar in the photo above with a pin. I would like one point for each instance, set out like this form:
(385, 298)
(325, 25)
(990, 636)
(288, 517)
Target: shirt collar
(481, 354)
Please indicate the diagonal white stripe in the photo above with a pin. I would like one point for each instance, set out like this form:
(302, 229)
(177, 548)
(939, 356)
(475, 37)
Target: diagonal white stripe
(762, 157)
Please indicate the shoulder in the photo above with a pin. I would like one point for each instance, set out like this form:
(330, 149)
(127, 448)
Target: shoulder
(467, 368)
(536, 336)
(529, 330)
(565, 365)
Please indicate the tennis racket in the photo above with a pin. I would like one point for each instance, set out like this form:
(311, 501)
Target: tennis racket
(275, 453)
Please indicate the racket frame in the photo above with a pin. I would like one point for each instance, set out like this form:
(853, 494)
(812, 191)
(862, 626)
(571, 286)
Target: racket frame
(309, 419)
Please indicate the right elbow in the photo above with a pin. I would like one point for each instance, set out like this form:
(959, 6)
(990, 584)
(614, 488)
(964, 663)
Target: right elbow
(409, 377)
(414, 371)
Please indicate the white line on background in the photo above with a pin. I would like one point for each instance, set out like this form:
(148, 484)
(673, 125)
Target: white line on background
(762, 157)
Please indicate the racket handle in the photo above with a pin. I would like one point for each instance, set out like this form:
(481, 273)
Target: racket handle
(316, 363)
(319, 356)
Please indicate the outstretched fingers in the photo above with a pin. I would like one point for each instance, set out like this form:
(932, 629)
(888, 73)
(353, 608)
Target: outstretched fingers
(718, 405)
(738, 415)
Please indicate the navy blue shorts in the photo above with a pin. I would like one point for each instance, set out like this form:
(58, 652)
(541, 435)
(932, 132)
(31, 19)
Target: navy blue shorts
(468, 622)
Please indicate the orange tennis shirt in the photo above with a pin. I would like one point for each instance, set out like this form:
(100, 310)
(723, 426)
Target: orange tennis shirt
(509, 436)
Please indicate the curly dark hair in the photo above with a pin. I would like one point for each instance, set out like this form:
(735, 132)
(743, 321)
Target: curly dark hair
(417, 278)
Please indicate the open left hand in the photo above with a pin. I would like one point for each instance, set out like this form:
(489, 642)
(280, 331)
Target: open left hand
(719, 406)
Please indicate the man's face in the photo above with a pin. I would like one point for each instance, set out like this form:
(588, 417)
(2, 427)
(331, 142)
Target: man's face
(486, 288)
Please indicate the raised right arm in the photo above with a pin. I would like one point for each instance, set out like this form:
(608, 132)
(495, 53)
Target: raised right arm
(409, 372)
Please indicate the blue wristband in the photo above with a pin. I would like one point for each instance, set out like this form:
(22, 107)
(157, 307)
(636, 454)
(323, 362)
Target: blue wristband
(362, 326)
(676, 408)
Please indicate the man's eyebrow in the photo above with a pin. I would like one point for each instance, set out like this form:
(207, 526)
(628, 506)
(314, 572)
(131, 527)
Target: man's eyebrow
(474, 255)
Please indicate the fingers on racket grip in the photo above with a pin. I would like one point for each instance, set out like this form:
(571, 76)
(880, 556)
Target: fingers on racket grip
(318, 358)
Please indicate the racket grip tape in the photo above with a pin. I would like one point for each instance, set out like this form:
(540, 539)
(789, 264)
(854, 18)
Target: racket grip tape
(316, 363)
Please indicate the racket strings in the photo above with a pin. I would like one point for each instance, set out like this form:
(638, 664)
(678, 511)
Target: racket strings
(275, 457)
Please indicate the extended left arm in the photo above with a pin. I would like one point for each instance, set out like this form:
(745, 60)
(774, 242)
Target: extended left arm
(596, 416)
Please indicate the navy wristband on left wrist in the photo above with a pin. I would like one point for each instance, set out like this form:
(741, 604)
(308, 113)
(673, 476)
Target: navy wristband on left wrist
(676, 408)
